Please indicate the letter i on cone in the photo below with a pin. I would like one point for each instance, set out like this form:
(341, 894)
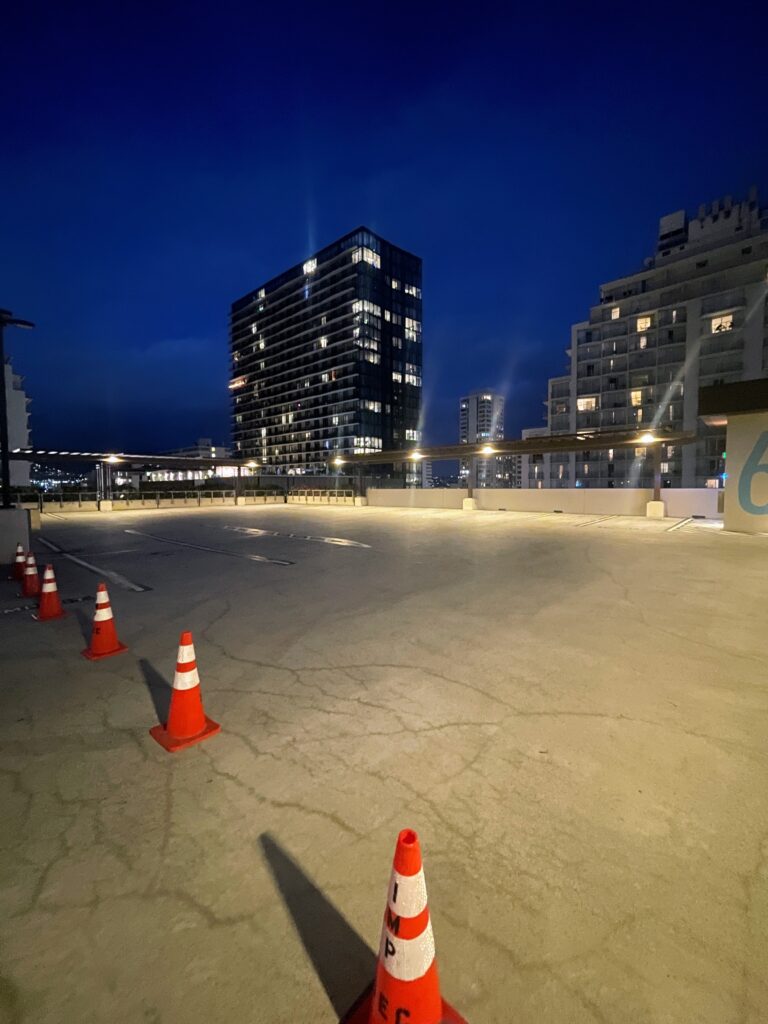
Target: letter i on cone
(104, 640)
(50, 602)
(30, 585)
(187, 722)
(407, 989)
(18, 564)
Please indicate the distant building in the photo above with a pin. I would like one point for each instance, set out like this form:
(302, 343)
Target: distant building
(203, 449)
(481, 420)
(18, 423)
(425, 467)
(534, 469)
(327, 358)
(695, 315)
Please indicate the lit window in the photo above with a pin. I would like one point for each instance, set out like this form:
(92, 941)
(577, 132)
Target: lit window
(238, 382)
(413, 375)
(665, 467)
(323, 342)
(586, 404)
(372, 406)
(262, 344)
(412, 329)
(395, 284)
(722, 323)
(643, 341)
(306, 383)
(368, 256)
(674, 316)
(387, 315)
(372, 357)
(412, 435)
(640, 453)
(397, 342)
(310, 266)
(636, 397)
(262, 293)
(254, 328)
(713, 482)
(364, 306)
(643, 323)
(615, 313)
(335, 421)
(610, 454)
(397, 377)
(411, 289)
(325, 378)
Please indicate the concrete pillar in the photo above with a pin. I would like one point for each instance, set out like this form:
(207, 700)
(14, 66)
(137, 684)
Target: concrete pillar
(469, 504)
(746, 486)
(361, 502)
(14, 529)
(105, 505)
(656, 510)
(239, 499)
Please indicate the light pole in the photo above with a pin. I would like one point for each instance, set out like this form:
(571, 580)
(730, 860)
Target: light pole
(7, 319)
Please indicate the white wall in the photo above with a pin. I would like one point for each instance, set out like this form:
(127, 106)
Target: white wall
(746, 488)
(415, 497)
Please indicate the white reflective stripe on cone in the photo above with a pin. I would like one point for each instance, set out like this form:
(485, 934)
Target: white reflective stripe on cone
(186, 680)
(48, 586)
(407, 959)
(102, 598)
(407, 894)
(187, 654)
(102, 614)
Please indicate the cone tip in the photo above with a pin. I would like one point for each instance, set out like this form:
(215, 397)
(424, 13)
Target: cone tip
(186, 638)
(408, 853)
(101, 587)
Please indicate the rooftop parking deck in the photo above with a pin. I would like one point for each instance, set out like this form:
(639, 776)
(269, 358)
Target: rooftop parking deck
(571, 710)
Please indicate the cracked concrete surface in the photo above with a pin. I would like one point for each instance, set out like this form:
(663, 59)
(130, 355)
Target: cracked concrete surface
(573, 716)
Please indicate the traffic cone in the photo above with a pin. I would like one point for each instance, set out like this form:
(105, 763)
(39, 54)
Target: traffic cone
(30, 585)
(50, 602)
(104, 640)
(406, 989)
(18, 564)
(187, 722)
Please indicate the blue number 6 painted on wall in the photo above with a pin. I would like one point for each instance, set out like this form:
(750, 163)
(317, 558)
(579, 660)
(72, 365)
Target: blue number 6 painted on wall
(752, 467)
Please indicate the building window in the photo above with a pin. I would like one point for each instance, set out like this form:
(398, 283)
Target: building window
(310, 266)
(413, 375)
(372, 357)
(364, 306)
(411, 289)
(395, 284)
(643, 342)
(722, 323)
(636, 397)
(412, 435)
(397, 342)
(665, 467)
(262, 293)
(640, 453)
(367, 256)
(372, 406)
(387, 315)
(643, 323)
(586, 404)
(412, 329)
(397, 377)
(615, 313)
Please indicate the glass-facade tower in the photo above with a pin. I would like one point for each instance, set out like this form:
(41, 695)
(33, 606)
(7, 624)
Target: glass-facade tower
(327, 358)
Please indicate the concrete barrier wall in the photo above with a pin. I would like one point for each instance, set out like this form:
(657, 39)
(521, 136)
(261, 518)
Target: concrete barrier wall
(692, 501)
(415, 497)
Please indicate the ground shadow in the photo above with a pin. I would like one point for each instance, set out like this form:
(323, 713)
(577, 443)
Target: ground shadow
(344, 963)
(159, 689)
(85, 622)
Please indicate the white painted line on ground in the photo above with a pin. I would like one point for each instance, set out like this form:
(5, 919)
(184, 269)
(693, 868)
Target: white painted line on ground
(213, 551)
(256, 532)
(602, 519)
(680, 525)
(107, 574)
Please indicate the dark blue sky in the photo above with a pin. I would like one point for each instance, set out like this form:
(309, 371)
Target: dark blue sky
(159, 160)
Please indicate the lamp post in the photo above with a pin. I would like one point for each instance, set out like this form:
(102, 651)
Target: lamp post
(7, 319)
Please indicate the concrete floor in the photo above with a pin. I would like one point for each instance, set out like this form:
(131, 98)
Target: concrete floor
(572, 713)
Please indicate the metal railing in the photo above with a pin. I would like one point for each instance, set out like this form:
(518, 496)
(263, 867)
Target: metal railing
(309, 496)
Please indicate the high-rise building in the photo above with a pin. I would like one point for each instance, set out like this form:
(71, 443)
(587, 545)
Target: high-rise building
(695, 315)
(18, 423)
(327, 357)
(481, 419)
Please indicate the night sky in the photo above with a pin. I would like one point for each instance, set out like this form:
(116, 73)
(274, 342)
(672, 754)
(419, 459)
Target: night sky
(159, 160)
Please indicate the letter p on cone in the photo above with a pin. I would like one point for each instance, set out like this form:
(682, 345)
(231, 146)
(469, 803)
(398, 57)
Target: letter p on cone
(406, 989)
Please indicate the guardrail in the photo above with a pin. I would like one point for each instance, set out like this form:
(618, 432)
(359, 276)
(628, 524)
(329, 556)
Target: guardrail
(87, 501)
(317, 497)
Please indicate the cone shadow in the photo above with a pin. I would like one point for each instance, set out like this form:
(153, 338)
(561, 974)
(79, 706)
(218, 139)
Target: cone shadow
(85, 622)
(159, 689)
(342, 960)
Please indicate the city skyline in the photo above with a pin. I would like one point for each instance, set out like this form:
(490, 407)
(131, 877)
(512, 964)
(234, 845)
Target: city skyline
(137, 207)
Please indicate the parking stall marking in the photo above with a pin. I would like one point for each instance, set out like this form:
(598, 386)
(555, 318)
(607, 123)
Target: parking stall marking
(213, 551)
(107, 574)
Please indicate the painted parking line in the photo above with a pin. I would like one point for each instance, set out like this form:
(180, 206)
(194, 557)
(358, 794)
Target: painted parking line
(680, 525)
(592, 522)
(107, 574)
(256, 532)
(213, 551)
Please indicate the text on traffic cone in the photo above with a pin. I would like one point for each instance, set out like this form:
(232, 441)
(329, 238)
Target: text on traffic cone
(187, 722)
(104, 640)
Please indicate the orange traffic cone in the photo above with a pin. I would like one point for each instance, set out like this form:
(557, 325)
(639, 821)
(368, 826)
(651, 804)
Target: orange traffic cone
(406, 990)
(104, 640)
(18, 564)
(30, 585)
(187, 722)
(50, 602)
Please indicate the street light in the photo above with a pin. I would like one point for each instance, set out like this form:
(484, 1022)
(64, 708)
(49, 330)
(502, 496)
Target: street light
(648, 438)
(487, 450)
(7, 319)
